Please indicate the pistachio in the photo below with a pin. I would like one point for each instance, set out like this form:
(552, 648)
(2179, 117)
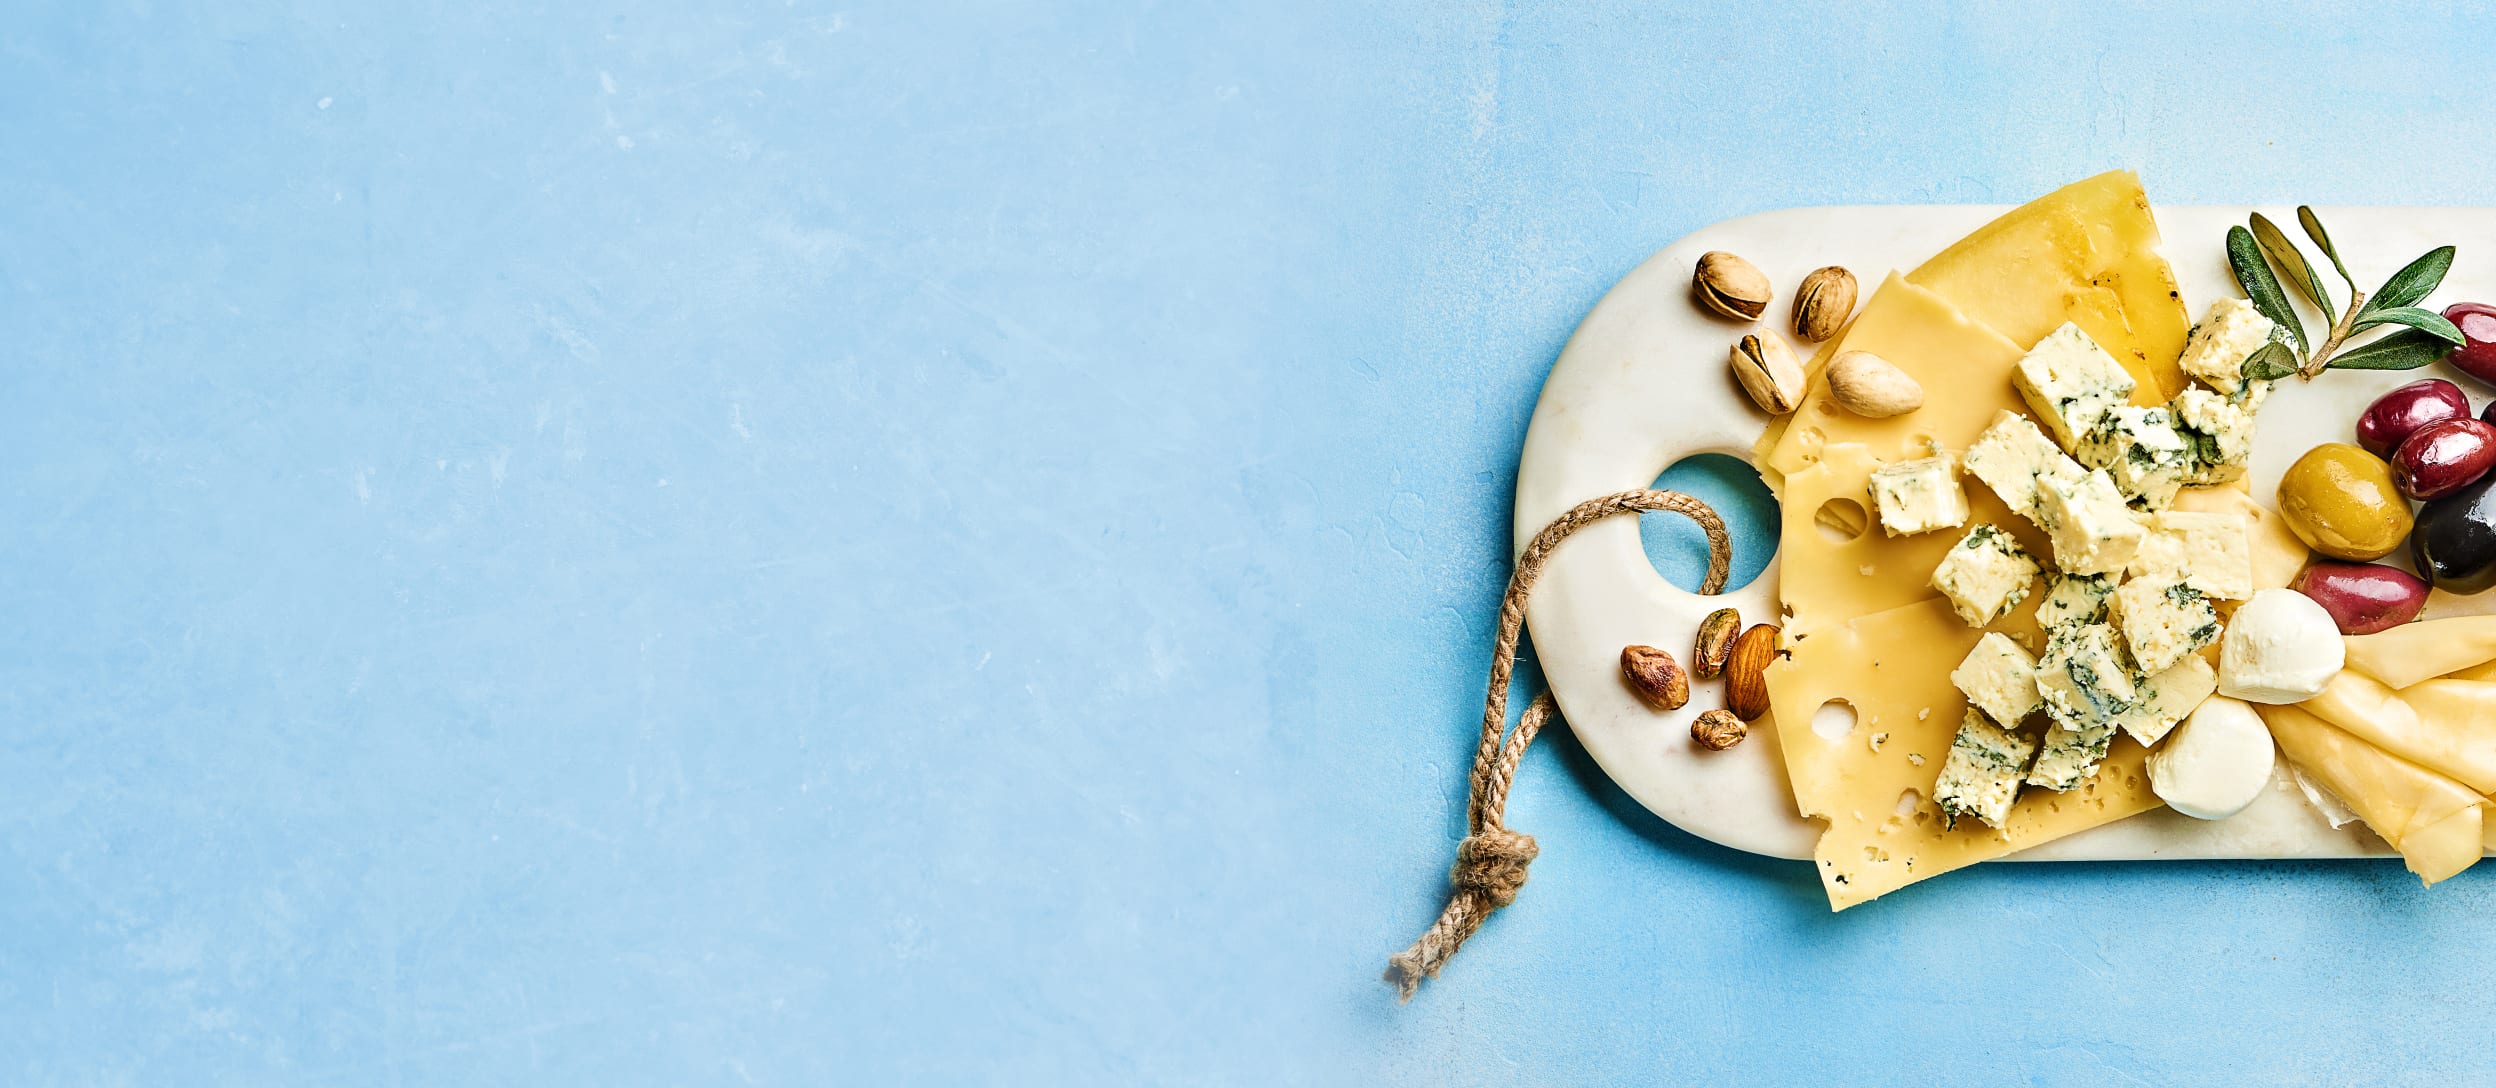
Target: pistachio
(1871, 386)
(1717, 730)
(1716, 635)
(1746, 681)
(1655, 676)
(1730, 286)
(1823, 303)
(1768, 372)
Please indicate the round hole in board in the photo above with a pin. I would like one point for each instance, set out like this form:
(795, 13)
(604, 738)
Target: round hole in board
(1841, 520)
(1675, 545)
(1833, 720)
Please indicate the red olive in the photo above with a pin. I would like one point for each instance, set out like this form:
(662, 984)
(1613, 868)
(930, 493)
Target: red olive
(2441, 458)
(2363, 598)
(2399, 413)
(2477, 354)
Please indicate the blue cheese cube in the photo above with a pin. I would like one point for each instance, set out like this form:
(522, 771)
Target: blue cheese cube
(2219, 432)
(2092, 531)
(1981, 777)
(2160, 701)
(2164, 621)
(2142, 451)
(2211, 552)
(2000, 678)
(1919, 496)
(2230, 330)
(1985, 575)
(2068, 754)
(2084, 682)
(2071, 383)
(2012, 457)
(2074, 598)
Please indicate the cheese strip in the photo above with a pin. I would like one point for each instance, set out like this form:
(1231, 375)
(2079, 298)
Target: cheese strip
(1964, 368)
(2432, 820)
(1829, 577)
(2086, 253)
(1884, 830)
(2418, 651)
(2447, 726)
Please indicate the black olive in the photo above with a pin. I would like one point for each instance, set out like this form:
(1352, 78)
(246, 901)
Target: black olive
(2455, 540)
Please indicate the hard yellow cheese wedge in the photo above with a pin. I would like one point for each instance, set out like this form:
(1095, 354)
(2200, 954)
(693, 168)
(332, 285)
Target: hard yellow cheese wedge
(2436, 823)
(2417, 651)
(1874, 784)
(2086, 253)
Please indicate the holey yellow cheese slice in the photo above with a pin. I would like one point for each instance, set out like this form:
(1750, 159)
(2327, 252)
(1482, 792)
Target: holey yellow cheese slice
(1838, 563)
(2086, 253)
(1873, 783)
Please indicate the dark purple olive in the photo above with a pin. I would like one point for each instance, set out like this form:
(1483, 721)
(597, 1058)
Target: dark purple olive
(2441, 458)
(2398, 414)
(2477, 354)
(2363, 598)
(2454, 543)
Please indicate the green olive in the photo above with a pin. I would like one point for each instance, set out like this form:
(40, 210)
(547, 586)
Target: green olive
(2341, 501)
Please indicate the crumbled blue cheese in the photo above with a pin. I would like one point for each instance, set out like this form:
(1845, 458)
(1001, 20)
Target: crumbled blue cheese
(2084, 682)
(2071, 383)
(2211, 552)
(2230, 330)
(2219, 432)
(1981, 777)
(2069, 755)
(2141, 449)
(2092, 531)
(2164, 621)
(1985, 575)
(2074, 598)
(1919, 496)
(2013, 456)
(2000, 678)
(2160, 701)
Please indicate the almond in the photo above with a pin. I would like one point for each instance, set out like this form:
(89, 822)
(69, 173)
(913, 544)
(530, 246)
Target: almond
(1655, 676)
(1746, 682)
(1717, 730)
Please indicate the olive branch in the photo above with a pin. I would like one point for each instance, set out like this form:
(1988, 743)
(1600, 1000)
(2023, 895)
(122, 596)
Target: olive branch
(2426, 337)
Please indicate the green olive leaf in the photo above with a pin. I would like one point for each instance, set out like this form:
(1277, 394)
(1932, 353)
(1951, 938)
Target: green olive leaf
(2426, 321)
(2313, 225)
(2407, 349)
(2270, 362)
(2301, 274)
(2414, 282)
(2244, 256)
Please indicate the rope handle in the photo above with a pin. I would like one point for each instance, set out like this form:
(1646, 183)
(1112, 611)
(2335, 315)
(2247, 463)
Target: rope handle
(1491, 860)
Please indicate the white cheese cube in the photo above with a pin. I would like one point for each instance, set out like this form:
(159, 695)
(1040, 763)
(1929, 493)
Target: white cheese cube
(2158, 702)
(2164, 621)
(2012, 456)
(2068, 755)
(2074, 598)
(2071, 383)
(2000, 678)
(1985, 575)
(2220, 434)
(1981, 777)
(2092, 531)
(2211, 552)
(2230, 330)
(2084, 682)
(1919, 496)
(2144, 453)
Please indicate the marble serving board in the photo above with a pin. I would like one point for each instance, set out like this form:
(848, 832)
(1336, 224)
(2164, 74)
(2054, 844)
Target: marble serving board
(1643, 384)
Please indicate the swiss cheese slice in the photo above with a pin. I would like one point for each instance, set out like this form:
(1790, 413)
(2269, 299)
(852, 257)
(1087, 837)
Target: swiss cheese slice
(1873, 784)
(2435, 822)
(2086, 253)
(1964, 367)
(1837, 561)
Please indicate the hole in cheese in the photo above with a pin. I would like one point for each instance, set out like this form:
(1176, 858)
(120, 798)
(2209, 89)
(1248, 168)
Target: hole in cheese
(1841, 520)
(1678, 549)
(1908, 802)
(1834, 719)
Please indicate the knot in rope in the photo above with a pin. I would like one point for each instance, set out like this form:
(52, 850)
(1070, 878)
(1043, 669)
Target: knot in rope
(1492, 864)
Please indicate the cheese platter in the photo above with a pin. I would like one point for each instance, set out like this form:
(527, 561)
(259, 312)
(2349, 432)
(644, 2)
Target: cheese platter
(2066, 550)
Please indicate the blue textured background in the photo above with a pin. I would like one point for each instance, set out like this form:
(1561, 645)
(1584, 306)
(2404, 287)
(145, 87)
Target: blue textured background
(948, 543)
